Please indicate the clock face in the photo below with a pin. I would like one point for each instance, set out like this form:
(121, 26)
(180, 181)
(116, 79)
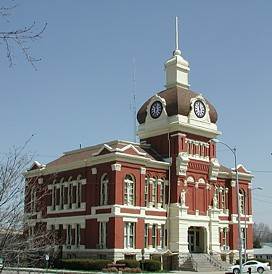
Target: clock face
(200, 109)
(156, 109)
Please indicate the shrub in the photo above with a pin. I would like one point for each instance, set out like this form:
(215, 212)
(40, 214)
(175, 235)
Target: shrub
(152, 265)
(84, 264)
(129, 263)
(110, 269)
(132, 270)
(223, 257)
(231, 257)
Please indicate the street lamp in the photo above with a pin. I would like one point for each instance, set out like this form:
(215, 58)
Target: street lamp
(234, 152)
(245, 231)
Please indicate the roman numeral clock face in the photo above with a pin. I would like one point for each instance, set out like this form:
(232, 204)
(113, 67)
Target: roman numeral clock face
(199, 109)
(156, 109)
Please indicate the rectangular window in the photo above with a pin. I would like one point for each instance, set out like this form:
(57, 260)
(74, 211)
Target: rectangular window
(154, 236)
(77, 235)
(223, 199)
(129, 235)
(103, 234)
(79, 189)
(69, 235)
(154, 193)
(146, 192)
(146, 235)
(162, 195)
(61, 196)
(70, 195)
(162, 236)
(54, 198)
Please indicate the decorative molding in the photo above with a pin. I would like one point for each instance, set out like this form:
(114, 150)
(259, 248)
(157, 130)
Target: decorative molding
(182, 161)
(214, 169)
(233, 183)
(94, 170)
(116, 167)
(143, 170)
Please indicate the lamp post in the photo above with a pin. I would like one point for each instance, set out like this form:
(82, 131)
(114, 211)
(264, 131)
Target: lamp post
(245, 231)
(234, 152)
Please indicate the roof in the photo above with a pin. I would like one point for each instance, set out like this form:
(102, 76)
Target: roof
(106, 148)
(178, 101)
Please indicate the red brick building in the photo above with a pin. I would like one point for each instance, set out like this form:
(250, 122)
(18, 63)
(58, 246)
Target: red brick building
(167, 193)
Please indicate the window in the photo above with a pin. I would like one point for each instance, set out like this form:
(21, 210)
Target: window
(79, 191)
(61, 193)
(33, 199)
(102, 234)
(70, 192)
(146, 235)
(242, 201)
(54, 190)
(69, 235)
(154, 193)
(146, 191)
(162, 237)
(104, 190)
(162, 194)
(77, 240)
(224, 198)
(224, 237)
(154, 236)
(129, 235)
(129, 191)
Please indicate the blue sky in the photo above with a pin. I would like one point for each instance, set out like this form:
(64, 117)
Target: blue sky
(82, 90)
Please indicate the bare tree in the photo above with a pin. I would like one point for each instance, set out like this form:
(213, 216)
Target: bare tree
(262, 234)
(19, 38)
(19, 239)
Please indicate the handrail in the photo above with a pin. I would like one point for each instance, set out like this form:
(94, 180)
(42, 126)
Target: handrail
(214, 261)
(194, 262)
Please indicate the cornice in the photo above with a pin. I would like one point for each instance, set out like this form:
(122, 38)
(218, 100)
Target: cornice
(112, 157)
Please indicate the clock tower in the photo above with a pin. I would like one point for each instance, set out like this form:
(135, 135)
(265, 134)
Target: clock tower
(180, 124)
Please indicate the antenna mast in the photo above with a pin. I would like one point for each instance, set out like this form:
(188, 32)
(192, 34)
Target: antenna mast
(134, 99)
(177, 34)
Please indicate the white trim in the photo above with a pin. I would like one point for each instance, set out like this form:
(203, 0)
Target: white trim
(116, 156)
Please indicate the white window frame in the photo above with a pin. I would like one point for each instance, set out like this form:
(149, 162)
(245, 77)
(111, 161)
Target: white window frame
(104, 189)
(146, 235)
(129, 235)
(154, 235)
(33, 200)
(79, 191)
(146, 191)
(129, 190)
(103, 234)
(69, 235)
(242, 201)
(77, 235)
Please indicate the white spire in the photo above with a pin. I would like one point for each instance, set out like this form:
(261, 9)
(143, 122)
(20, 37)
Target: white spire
(177, 68)
(177, 51)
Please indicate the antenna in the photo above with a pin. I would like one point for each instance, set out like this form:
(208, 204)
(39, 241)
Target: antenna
(176, 51)
(134, 99)
(177, 34)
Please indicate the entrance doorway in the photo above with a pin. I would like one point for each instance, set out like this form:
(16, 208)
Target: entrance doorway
(196, 239)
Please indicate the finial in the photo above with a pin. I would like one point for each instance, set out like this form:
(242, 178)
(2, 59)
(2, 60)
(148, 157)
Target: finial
(177, 51)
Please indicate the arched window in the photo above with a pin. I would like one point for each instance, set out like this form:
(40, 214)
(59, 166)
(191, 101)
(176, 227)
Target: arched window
(242, 201)
(104, 190)
(70, 192)
(129, 190)
(61, 193)
(33, 200)
(79, 191)
(54, 194)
